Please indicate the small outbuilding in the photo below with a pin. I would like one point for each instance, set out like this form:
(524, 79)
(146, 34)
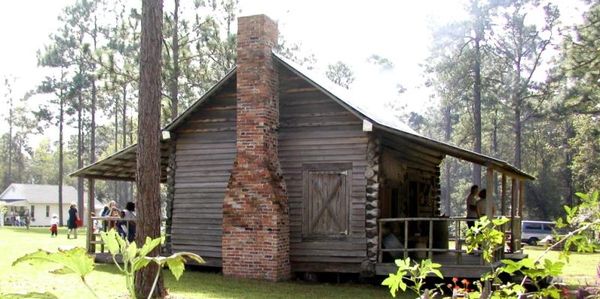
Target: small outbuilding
(39, 201)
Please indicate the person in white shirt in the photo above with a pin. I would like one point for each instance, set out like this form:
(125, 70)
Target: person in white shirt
(54, 226)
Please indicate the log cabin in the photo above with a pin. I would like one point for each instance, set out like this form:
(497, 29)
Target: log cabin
(276, 171)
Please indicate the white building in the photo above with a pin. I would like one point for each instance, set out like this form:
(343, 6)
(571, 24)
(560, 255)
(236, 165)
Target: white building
(41, 201)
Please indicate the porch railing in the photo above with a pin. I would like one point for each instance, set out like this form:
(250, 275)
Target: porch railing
(423, 241)
(105, 223)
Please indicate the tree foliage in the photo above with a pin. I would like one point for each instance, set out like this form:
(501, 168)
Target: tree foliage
(340, 74)
(549, 120)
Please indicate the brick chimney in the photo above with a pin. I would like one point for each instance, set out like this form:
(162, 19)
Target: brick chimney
(255, 209)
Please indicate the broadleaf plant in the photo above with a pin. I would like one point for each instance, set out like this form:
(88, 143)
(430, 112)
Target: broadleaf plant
(72, 261)
(134, 258)
(412, 275)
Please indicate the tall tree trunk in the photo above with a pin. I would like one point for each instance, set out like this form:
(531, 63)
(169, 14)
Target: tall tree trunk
(517, 102)
(123, 190)
(93, 117)
(148, 151)
(80, 150)
(447, 166)
(19, 161)
(570, 133)
(495, 145)
(8, 179)
(518, 129)
(61, 118)
(174, 88)
(116, 183)
(131, 136)
(477, 95)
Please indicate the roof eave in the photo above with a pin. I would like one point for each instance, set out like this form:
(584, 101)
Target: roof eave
(179, 119)
(449, 149)
(81, 171)
(496, 162)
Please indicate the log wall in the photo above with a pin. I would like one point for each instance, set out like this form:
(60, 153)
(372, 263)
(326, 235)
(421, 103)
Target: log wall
(205, 151)
(316, 129)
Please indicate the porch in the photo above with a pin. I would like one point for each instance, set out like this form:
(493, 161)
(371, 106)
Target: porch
(441, 240)
(119, 166)
(409, 207)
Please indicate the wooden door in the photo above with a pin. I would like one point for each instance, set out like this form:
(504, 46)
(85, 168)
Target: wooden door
(327, 200)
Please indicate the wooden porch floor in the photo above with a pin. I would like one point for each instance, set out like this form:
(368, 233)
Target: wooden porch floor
(470, 266)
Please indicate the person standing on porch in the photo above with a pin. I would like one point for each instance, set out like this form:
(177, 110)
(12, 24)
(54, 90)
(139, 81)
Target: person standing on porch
(106, 211)
(72, 222)
(472, 206)
(482, 204)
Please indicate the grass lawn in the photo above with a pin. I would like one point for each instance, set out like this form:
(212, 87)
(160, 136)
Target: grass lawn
(580, 269)
(34, 281)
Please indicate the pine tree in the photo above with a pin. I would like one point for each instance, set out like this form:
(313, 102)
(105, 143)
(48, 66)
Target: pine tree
(148, 148)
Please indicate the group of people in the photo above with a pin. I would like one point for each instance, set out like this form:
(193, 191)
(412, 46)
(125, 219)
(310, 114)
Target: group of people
(73, 222)
(477, 205)
(125, 227)
(19, 219)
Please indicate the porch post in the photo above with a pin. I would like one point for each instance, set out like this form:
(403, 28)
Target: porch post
(91, 248)
(503, 196)
(521, 197)
(513, 213)
(490, 192)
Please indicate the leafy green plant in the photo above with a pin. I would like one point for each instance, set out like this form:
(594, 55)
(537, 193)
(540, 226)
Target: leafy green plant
(412, 276)
(134, 258)
(536, 271)
(584, 220)
(486, 236)
(73, 261)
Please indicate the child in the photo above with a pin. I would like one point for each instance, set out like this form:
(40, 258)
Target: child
(54, 226)
(114, 213)
(96, 224)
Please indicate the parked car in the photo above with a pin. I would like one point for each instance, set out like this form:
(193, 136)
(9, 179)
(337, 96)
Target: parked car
(534, 231)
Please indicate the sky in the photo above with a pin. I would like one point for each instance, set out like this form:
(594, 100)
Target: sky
(332, 30)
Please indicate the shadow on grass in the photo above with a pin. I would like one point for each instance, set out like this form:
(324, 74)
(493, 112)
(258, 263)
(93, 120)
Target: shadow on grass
(31, 295)
(107, 268)
(215, 285)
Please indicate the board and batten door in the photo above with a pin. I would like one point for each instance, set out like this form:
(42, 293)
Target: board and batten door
(327, 188)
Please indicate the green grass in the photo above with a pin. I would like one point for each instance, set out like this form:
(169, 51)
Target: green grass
(580, 269)
(35, 281)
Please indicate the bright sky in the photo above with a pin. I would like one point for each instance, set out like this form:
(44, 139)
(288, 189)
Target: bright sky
(349, 31)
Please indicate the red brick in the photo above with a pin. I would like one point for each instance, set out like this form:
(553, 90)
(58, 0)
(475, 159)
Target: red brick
(255, 209)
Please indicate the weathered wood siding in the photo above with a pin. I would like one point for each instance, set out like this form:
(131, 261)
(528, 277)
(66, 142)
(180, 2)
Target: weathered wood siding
(204, 159)
(315, 129)
(421, 165)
